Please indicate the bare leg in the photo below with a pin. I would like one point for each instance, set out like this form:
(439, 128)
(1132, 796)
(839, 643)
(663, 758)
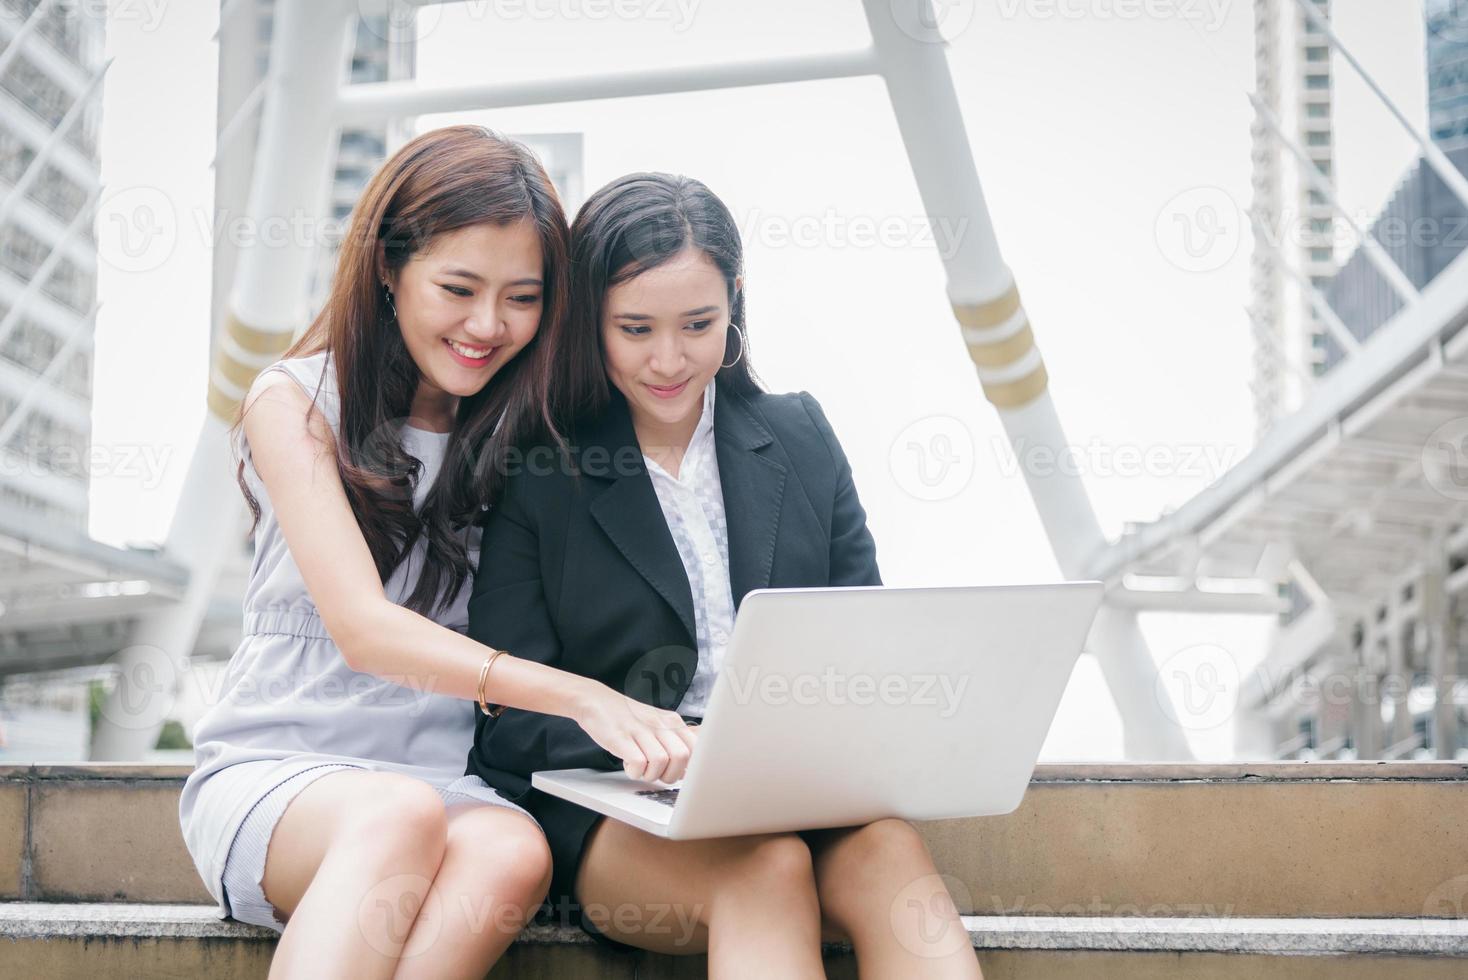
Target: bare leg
(494, 874)
(878, 885)
(348, 866)
(750, 902)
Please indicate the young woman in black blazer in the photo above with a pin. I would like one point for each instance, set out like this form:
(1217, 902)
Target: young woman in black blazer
(622, 555)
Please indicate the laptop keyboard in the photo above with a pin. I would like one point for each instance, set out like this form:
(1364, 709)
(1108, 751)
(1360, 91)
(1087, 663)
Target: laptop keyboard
(667, 797)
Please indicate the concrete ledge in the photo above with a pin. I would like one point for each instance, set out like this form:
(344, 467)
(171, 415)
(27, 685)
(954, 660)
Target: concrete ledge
(1249, 772)
(1275, 937)
(1112, 841)
(116, 939)
(96, 920)
(1067, 772)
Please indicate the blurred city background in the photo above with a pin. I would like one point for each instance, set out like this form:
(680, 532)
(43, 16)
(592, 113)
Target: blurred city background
(1237, 227)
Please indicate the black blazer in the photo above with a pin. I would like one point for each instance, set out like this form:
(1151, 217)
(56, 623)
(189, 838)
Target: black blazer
(581, 572)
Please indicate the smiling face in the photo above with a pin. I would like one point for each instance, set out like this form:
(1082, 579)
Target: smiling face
(466, 305)
(664, 333)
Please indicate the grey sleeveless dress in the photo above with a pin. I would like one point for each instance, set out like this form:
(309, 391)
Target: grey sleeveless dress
(289, 710)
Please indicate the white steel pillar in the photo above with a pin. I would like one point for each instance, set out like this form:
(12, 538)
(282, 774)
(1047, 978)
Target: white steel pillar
(1441, 658)
(1397, 674)
(985, 299)
(310, 48)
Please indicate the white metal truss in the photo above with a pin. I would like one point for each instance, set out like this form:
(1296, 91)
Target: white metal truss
(1430, 151)
(52, 144)
(1321, 184)
(17, 40)
(19, 309)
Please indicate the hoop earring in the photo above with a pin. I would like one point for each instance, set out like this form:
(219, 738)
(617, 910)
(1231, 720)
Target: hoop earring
(737, 357)
(387, 293)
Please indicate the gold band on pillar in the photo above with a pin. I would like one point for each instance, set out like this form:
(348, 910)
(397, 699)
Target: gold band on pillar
(1002, 352)
(224, 407)
(982, 316)
(254, 340)
(236, 373)
(1021, 391)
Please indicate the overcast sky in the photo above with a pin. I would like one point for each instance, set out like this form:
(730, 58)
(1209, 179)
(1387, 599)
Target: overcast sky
(1087, 123)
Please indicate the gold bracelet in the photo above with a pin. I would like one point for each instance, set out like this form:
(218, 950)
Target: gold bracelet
(479, 690)
(483, 676)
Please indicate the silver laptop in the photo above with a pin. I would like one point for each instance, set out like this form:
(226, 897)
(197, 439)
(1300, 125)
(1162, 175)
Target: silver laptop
(837, 707)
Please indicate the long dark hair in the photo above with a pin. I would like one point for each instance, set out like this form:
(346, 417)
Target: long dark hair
(634, 224)
(439, 182)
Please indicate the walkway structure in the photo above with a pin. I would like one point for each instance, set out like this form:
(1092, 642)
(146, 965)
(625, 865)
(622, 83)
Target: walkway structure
(302, 105)
(1172, 565)
(1355, 504)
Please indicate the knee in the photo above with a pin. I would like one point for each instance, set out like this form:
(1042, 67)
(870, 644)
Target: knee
(527, 872)
(874, 853)
(512, 854)
(403, 820)
(895, 840)
(780, 862)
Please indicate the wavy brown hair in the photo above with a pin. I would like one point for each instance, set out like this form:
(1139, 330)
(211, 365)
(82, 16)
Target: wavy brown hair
(439, 182)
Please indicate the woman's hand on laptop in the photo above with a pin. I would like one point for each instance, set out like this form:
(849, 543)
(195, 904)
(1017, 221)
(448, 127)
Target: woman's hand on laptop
(654, 745)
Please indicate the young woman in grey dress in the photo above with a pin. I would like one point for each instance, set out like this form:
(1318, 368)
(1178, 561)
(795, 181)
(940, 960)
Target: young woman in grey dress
(329, 800)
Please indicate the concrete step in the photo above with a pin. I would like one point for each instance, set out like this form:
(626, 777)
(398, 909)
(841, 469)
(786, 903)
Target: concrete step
(1333, 840)
(127, 939)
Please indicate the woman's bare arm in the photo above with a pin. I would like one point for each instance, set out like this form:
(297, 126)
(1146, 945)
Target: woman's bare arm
(295, 459)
